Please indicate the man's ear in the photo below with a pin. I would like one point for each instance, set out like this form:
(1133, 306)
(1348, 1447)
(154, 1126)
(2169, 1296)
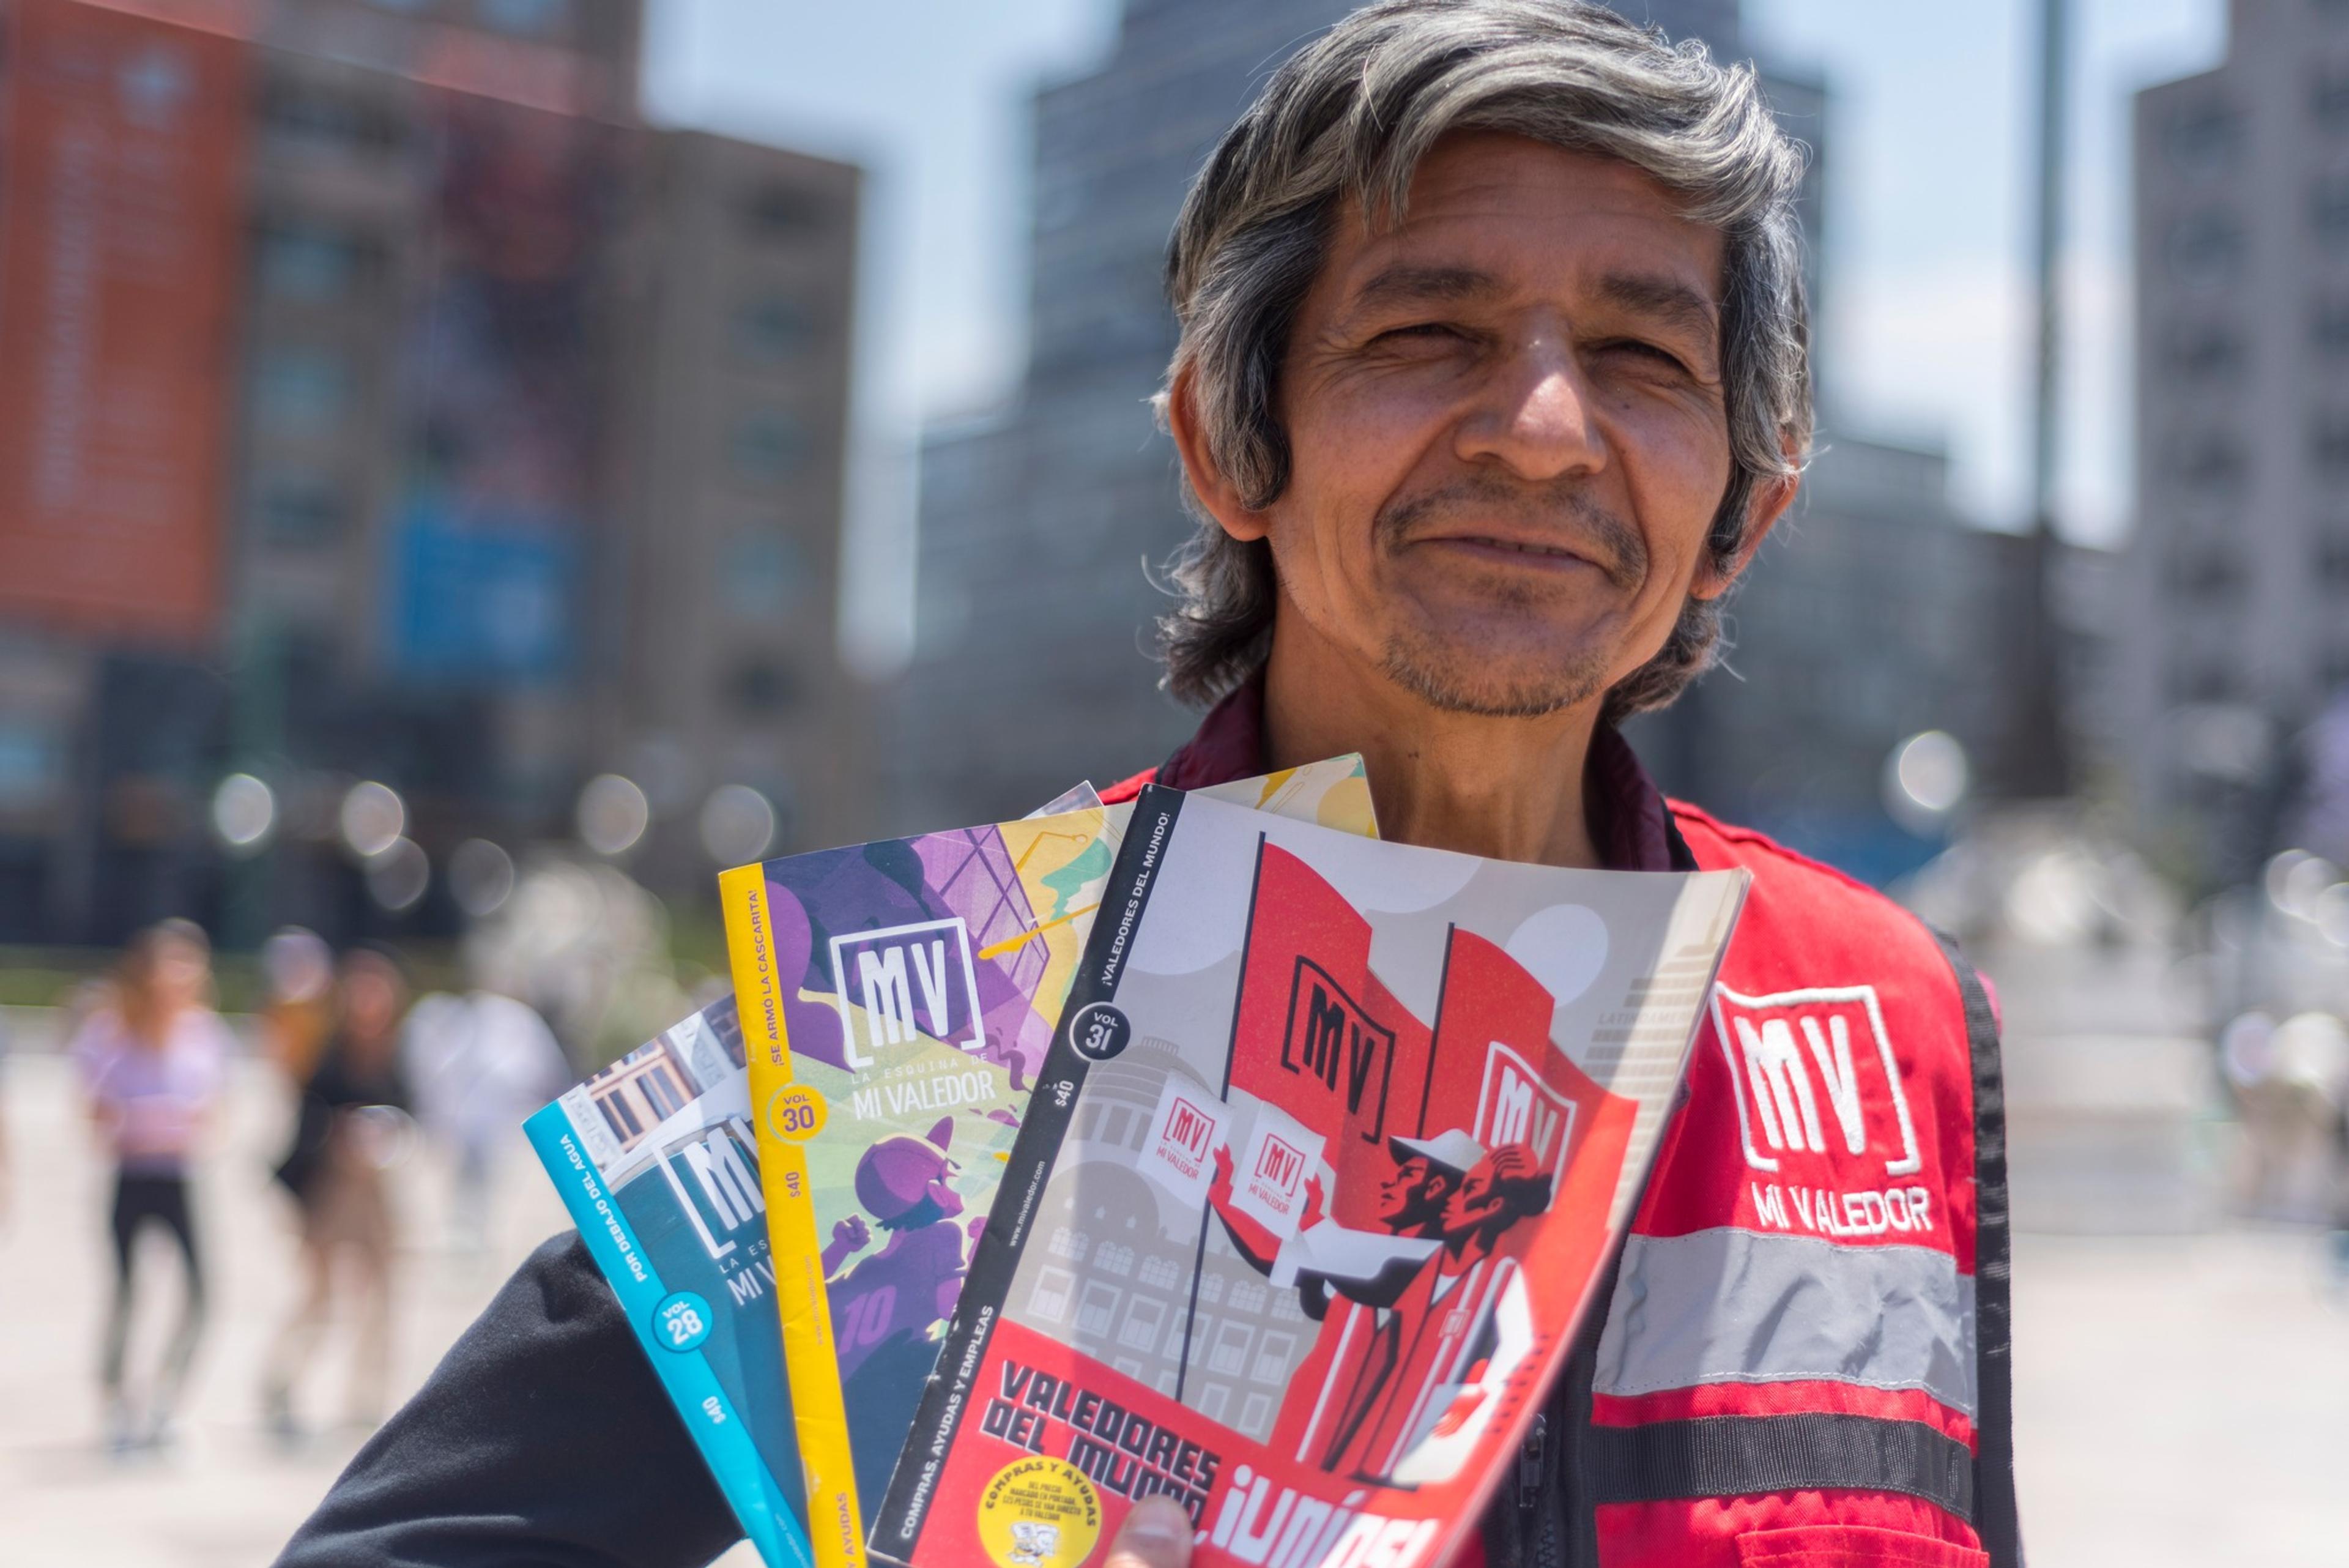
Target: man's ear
(1763, 509)
(1215, 492)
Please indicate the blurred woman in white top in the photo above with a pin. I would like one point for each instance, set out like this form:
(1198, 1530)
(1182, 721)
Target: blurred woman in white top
(152, 1061)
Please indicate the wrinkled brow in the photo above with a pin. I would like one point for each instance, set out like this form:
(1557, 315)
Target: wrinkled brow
(1405, 284)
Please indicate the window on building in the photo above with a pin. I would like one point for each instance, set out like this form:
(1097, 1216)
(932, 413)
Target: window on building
(761, 572)
(768, 447)
(299, 510)
(1230, 1351)
(2205, 573)
(526, 19)
(1272, 1357)
(1051, 1297)
(2328, 102)
(314, 263)
(2333, 563)
(2201, 137)
(1096, 1308)
(1159, 1271)
(2328, 211)
(2212, 463)
(772, 329)
(1115, 1260)
(2206, 248)
(760, 688)
(2328, 329)
(775, 212)
(321, 116)
(2328, 444)
(2201, 351)
(299, 390)
(1140, 1330)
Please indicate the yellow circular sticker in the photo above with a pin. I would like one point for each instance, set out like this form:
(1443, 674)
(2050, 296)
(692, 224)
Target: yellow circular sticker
(1038, 1512)
(795, 1112)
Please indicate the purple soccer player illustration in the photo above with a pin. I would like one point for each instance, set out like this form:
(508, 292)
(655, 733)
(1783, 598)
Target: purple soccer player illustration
(885, 1305)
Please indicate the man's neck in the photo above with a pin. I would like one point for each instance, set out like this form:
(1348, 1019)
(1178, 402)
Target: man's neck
(1510, 789)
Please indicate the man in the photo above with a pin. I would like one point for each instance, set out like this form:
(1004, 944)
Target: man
(1491, 379)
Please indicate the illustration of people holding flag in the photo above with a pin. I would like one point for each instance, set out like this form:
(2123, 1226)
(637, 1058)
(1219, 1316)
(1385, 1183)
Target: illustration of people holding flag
(1433, 1318)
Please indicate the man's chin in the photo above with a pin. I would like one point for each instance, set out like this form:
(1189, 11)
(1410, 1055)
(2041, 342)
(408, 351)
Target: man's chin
(1455, 680)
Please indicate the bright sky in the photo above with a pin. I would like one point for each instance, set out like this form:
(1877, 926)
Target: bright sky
(1927, 322)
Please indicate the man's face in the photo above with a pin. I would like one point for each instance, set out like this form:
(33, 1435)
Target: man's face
(1473, 1202)
(1413, 1195)
(1507, 432)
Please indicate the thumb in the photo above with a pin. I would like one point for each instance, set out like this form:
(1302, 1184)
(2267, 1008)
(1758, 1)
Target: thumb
(1156, 1534)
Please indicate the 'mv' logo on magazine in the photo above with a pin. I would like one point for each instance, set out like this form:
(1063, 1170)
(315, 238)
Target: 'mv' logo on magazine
(716, 1183)
(1188, 1130)
(1279, 1166)
(1514, 1105)
(1815, 1075)
(893, 987)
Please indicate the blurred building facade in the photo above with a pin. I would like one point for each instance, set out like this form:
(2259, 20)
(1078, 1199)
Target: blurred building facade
(1033, 661)
(2238, 631)
(400, 407)
(1861, 622)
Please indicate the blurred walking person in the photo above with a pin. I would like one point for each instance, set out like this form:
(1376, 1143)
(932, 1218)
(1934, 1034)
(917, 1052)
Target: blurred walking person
(353, 1127)
(153, 1059)
(478, 1064)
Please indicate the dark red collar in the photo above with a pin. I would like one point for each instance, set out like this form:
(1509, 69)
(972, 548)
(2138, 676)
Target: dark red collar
(1628, 818)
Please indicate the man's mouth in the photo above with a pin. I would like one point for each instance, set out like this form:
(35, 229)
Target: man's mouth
(1516, 552)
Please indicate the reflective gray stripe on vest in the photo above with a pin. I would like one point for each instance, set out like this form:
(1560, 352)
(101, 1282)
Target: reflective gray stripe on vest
(1738, 1306)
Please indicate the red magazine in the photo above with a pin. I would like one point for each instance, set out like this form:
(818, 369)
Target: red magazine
(1330, 1147)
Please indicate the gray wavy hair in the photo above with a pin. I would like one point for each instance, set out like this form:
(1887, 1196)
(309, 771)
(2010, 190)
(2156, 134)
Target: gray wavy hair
(1353, 116)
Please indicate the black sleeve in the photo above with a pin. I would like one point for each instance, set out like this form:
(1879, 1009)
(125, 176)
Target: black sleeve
(542, 1439)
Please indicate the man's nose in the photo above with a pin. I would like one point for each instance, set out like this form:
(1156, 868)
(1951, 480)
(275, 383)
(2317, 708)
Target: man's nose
(1537, 415)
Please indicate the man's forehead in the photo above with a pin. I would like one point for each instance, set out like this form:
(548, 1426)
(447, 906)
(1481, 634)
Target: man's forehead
(1492, 215)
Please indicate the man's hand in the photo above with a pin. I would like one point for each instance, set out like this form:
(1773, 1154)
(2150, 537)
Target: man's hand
(1156, 1534)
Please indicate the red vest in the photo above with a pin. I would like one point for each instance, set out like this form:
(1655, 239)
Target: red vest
(1804, 1359)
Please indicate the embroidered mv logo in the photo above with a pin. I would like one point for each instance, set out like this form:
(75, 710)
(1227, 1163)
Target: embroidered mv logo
(1814, 1075)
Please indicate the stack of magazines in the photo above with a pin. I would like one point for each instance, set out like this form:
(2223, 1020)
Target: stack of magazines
(1202, 1145)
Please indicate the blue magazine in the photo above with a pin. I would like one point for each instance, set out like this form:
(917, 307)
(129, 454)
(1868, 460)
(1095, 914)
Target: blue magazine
(656, 1158)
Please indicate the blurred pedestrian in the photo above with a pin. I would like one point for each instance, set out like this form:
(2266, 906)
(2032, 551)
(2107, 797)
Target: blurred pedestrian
(479, 1063)
(352, 1129)
(153, 1060)
(297, 1008)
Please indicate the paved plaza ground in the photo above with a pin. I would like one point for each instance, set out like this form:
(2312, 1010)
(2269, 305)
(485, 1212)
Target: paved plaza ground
(2181, 1401)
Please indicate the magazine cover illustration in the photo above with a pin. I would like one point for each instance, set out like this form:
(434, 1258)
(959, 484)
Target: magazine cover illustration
(656, 1160)
(906, 994)
(1332, 1142)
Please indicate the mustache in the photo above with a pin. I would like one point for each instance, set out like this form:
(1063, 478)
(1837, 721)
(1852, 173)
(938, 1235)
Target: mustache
(1564, 513)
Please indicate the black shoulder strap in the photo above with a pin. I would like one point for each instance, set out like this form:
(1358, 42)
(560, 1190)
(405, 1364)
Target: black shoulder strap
(1995, 1518)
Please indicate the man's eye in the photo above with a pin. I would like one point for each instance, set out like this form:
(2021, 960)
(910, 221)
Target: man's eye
(1422, 330)
(1636, 349)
